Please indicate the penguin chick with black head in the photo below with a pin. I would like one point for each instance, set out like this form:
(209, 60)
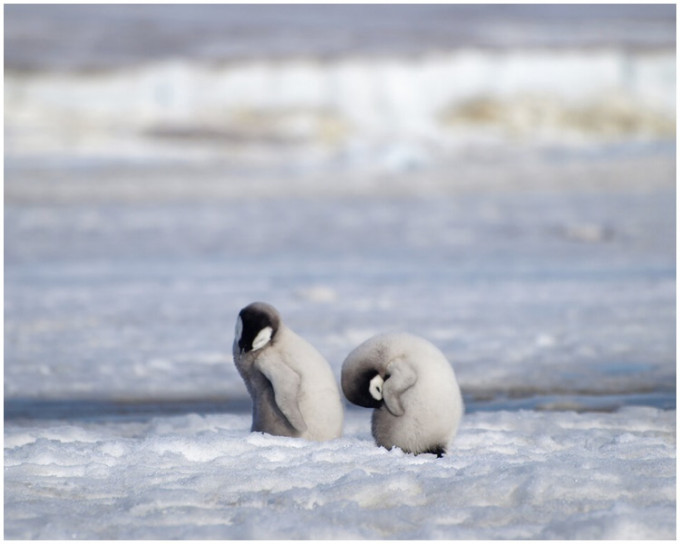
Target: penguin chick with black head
(412, 388)
(292, 386)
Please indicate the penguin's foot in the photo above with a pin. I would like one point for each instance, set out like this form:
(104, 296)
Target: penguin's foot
(439, 451)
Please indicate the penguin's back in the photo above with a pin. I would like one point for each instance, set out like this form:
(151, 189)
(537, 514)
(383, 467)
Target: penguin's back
(433, 406)
(319, 397)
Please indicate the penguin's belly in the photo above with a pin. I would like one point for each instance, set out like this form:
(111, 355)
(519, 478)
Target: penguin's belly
(422, 428)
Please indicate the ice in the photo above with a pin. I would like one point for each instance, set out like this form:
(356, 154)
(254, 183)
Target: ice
(554, 301)
(498, 180)
(508, 475)
(405, 109)
(140, 300)
(228, 32)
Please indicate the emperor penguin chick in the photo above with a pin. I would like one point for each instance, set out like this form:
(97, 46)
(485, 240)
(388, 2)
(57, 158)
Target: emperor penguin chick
(413, 388)
(292, 386)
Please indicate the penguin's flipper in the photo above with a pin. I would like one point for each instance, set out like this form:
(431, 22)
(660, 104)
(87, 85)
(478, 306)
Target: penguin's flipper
(286, 384)
(398, 378)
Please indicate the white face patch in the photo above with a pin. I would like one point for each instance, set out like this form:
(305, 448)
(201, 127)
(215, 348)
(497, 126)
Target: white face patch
(239, 328)
(263, 337)
(375, 387)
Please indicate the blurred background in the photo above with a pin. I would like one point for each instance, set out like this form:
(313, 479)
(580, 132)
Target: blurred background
(497, 178)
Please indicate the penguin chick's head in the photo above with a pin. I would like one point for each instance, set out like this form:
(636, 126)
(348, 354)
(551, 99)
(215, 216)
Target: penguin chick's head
(256, 325)
(363, 387)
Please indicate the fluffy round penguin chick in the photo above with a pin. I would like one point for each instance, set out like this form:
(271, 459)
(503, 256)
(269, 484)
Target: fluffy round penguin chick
(292, 386)
(413, 388)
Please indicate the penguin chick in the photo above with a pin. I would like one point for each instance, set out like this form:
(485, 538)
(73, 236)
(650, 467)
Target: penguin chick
(292, 386)
(412, 388)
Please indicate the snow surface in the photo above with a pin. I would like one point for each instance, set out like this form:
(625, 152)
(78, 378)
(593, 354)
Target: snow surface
(139, 300)
(418, 107)
(120, 35)
(125, 417)
(524, 223)
(516, 474)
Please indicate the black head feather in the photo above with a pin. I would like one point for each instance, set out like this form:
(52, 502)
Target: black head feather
(355, 386)
(254, 318)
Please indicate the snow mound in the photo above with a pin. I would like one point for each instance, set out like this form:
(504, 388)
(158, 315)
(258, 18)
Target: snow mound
(508, 475)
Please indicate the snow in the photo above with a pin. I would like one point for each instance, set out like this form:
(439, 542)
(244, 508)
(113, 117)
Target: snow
(125, 416)
(516, 207)
(137, 299)
(518, 474)
(413, 106)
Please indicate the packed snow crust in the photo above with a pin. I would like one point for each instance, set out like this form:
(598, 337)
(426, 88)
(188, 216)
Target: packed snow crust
(510, 475)
(515, 207)
(557, 300)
